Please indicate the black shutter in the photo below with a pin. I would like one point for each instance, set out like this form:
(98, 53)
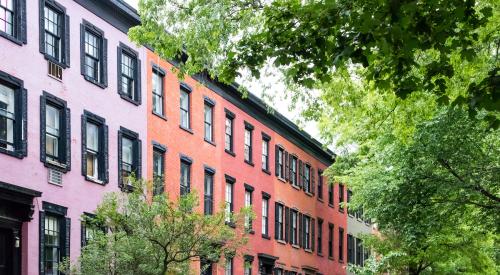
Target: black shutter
(138, 163)
(118, 70)
(287, 223)
(22, 19)
(66, 40)
(67, 237)
(41, 30)
(82, 234)
(290, 168)
(24, 119)
(313, 182)
(313, 225)
(300, 229)
(105, 155)
(286, 166)
(276, 224)
(304, 183)
(290, 226)
(84, 145)
(104, 62)
(42, 242)
(138, 82)
(82, 49)
(68, 138)
(276, 162)
(301, 172)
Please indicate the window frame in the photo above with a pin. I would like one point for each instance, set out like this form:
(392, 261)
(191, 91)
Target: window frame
(157, 70)
(123, 49)
(266, 139)
(265, 215)
(229, 137)
(320, 236)
(208, 103)
(341, 197)
(102, 80)
(103, 163)
(294, 227)
(294, 179)
(64, 144)
(208, 200)
(307, 232)
(161, 150)
(137, 158)
(64, 223)
(229, 201)
(18, 35)
(249, 203)
(279, 224)
(184, 89)
(307, 182)
(341, 244)
(20, 124)
(185, 162)
(230, 264)
(248, 130)
(64, 61)
(331, 230)
(320, 185)
(280, 162)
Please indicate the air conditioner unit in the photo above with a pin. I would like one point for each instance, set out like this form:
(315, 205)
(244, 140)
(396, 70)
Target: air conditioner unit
(55, 70)
(55, 177)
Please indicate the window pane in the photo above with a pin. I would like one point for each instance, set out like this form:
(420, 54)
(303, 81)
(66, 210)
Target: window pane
(92, 165)
(92, 137)
(52, 119)
(7, 117)
(157, 93)
(127, 150)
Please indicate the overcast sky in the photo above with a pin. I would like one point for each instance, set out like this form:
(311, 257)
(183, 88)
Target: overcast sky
(280, 104)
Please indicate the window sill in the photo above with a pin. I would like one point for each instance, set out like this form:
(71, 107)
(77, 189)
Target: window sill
(186, 129)
(126, 98)
(309, 194)
(320, 199)
(14, 153)
(266, 171)
(55, 184)
(341, 261)
(56, 165)
(93, 180)
(249, 163)
(251, 231)
(53, 60)
(281, 242)
(282, 180)
(295, 246)
(320, 254)
(341, 210)
(266, 237)
(126, 188)
(296, 187)
(159, 115)
(308, 250)
(330, 258)
(11, 38)
(231, 224)
(230, 152)
(93, 81)
(210, 142)
(331, 205)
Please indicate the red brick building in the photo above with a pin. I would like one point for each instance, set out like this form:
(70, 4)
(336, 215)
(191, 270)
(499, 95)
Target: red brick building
(217, 140)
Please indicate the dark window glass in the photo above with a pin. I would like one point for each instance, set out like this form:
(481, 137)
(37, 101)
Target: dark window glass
(330, 194)
(320, 184)
(128, 67)
(341, 244)
(158, 172)
(341, 197)
(265, 216)
(330, 240)
(350, 249)
(52, 245)
(7, 117)
(280, 221)
(349, 209)
(184, 105)
(359, 252)
(208, 118)
(320, 236)
(295, 221)
(185, 177)
(307, 232)
(248, 145)
(293, 176)
(228, 141)
(265, 155)
(307, 178)
(209, 193)
(93, 49)
(281, 163)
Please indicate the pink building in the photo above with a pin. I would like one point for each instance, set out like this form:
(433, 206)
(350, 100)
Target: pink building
(71, 123)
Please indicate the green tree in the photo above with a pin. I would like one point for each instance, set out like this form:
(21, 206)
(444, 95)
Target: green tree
(132, 234)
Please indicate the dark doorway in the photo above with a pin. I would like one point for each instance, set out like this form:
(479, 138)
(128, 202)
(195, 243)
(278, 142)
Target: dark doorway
(7, 251)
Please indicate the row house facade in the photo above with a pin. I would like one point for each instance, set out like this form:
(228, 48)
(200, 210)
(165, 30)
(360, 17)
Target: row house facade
(82, 107)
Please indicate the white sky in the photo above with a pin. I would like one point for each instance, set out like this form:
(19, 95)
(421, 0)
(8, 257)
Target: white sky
(280, 104)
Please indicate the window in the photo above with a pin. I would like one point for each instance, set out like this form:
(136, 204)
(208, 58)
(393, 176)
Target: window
(294, 238)
(320, 184)
(205, 267)
(54, 36)
(265, 216)
(228, 137)
(265, 152)
(129, 87)
(248, 142)
(293, 176)
(278, 271)
(359, 252)
(55, 132)
(307, 232)
(320, 236)
(330, 240)
(93, 53)
(280, 162)
(13, 113)
(209, 127)
(94, 148)
(341, 197)
(307, 178)
(248, 204)
(229, 267)
(158, 169)
(185, 184)
(330, 194)
(229, 201)
(279, 221)
(90, 227)
(209, 191)
(248, 265)
(185, 108)
(157, 80)
(350, 249)
(129, 156)
(54, 237)
(341, 244)
(13, 20)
